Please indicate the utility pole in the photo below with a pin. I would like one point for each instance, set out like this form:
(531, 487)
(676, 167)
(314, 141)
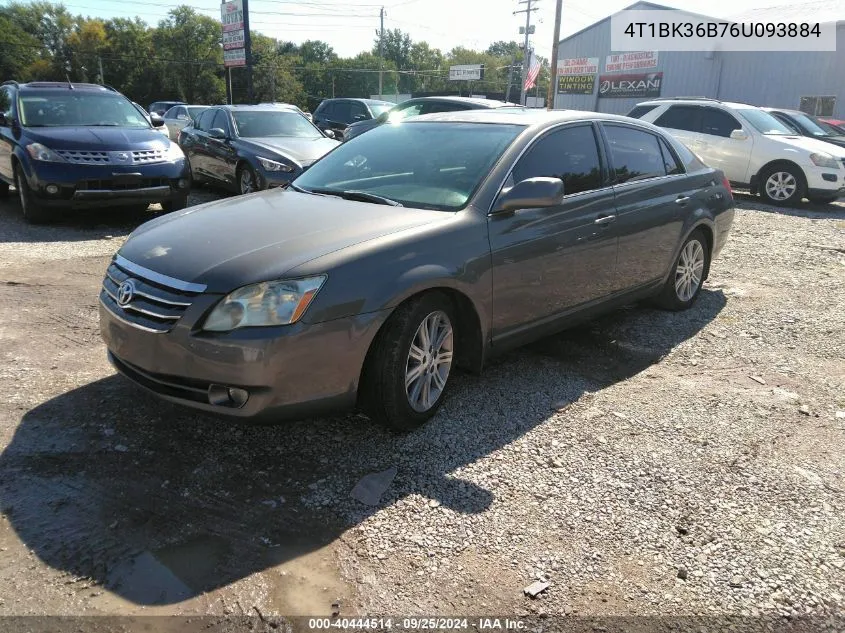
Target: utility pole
(380, 52)
(550, 97)
(248, 53)
(100, 63)
(510, 78)
(525, 57)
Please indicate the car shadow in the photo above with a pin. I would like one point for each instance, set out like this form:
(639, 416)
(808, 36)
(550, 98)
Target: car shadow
(804, 209)
(159, 504)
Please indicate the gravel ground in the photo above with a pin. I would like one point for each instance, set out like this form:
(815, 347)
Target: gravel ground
(647, 464)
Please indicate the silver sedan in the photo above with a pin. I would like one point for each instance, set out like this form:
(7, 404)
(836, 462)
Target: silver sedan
(179, 116)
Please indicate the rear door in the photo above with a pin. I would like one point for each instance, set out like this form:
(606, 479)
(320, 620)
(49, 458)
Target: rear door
(546, 262)
(732, 156)
(652, 195)
(7, 140)
(684, 123)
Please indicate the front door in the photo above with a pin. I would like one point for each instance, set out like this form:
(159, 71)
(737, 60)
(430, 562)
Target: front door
(7, 141)
(221, 154)
(548, 261)
(721, 151)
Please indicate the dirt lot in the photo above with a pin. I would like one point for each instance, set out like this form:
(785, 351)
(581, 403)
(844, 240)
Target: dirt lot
(649, 463)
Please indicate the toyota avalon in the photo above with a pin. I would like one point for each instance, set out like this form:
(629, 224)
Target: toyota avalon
(405, 253)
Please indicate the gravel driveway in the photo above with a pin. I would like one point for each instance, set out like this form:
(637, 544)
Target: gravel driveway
(647, 464)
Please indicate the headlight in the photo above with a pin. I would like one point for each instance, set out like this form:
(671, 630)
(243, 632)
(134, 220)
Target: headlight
(40, 152)
(174, 152)
(824, 160)
(272, 165)
(264, 304)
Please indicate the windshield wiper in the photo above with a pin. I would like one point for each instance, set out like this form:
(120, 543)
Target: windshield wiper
(363, 196)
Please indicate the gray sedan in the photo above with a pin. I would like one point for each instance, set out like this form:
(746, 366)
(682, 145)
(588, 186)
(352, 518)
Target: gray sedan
(406, 253)
(179, 116)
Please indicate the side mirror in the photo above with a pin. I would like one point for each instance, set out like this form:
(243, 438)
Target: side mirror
(156, 119)
(384, 116)
(218, 133)
(531, 193)
(739, 135)
(330, 134)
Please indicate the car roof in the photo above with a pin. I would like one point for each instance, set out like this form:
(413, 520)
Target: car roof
(479, 101)
(359, 99)
(694, 101)
(58, 85)
(268, 107)
(527, 117)
(785, 111)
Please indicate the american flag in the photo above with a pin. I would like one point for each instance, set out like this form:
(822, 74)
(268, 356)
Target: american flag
(533, 71)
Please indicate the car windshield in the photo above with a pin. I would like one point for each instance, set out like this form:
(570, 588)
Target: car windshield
(811, 124)
(832, 130)
(263, 123)
(446, 166)
(765, 123)
(196, 111)
(380, 108)
(78, 108)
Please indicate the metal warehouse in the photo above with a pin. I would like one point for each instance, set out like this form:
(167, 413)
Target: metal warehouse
(591, 76)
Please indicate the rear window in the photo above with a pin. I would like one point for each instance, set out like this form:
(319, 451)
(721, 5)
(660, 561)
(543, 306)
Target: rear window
(640, 110)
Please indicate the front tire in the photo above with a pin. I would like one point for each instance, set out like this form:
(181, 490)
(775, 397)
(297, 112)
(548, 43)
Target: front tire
(408, 368)
(782, 185)
(177, 204)
(247, 180)
(684, 284)
(33, 213)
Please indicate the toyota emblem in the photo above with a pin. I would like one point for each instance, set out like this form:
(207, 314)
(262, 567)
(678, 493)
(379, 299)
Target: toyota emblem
(125, 292)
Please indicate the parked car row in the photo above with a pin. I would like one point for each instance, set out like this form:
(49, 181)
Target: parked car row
(781, 154)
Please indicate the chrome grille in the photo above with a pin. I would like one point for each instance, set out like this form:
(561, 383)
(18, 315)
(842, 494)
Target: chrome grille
(144, 156)
(84, 157)
(157, 302)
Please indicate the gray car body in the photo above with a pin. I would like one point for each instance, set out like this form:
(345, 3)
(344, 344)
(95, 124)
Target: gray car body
(501, 271)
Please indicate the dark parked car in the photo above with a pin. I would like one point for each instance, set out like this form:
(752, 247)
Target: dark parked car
(160, 107)
(247, 148)
(420, 106)
(337, 114)
(807, 125)
(380, 270)
(69, 146)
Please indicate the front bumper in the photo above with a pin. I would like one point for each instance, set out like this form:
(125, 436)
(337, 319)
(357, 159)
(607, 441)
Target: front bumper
(822, 181)
(289, 372)
(94, 186)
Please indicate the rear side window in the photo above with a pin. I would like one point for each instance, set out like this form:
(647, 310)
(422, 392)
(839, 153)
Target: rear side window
(342, 112)
(570, 154)
(680, 117)
(357, 111)
(442, 106)
(6, 101)
(325, 109)
(635, 154)
(640, 110)
(669, 160)
(718, 122)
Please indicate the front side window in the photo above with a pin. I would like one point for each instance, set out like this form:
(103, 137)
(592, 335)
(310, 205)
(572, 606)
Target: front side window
(204, 122)
(6, 101)
(404, 111)
(194, 113)
(341, 112)
(220, 121)
(380, 108)
(718, 123)
(635, 154)
(257, 123)
(570, 153)
(54, 108)
(448, 163)
(357, 111)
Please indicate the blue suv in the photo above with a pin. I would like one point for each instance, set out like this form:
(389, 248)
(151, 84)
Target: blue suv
(69, 146)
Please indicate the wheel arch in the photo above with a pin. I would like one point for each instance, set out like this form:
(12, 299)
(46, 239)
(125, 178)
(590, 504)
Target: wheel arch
(779, 162)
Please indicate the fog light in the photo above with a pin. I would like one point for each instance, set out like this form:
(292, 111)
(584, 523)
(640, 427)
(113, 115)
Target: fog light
(52, 189)
(183, 183)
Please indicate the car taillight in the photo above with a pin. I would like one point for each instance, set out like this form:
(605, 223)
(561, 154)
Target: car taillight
(727, 184)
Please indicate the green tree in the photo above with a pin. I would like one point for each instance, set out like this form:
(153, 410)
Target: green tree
(129, 62)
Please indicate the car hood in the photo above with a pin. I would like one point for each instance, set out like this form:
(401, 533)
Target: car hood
(230, 243)
(810, 144)
(303, 151)
(96, 138)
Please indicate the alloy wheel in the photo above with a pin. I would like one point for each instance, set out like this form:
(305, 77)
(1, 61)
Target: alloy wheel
(689, 271)
(429, 361)
(781, 186)
(247, 182)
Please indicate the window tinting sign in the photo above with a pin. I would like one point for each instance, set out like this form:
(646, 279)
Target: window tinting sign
(576, 84)
(624, 86)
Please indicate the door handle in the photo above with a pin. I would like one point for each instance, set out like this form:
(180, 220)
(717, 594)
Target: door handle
(682, 200)
(604, 219)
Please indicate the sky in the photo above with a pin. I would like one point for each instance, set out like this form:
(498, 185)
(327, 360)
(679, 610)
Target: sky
(350, 26)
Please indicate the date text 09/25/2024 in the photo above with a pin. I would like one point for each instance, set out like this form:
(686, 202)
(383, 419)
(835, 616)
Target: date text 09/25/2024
(416, 624)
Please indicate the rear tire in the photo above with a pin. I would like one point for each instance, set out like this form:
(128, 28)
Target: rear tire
(33, 213)
(408, 368)
(687, 277)
(782, 185)
(177, 204)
